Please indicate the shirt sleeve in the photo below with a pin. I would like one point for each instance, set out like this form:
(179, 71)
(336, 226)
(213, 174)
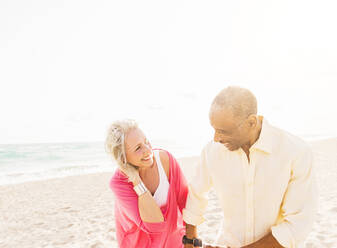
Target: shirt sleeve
(298, 208)
(197, 199)
(128, 205)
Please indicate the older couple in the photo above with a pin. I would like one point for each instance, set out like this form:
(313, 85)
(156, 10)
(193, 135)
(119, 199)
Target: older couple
(262, 176)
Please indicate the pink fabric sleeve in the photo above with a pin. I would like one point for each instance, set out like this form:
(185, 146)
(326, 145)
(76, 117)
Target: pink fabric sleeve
(127, 200)
(181, 186)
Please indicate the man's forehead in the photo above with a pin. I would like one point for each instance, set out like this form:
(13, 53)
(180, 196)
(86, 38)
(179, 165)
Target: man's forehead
(216, 109)
(225, 115)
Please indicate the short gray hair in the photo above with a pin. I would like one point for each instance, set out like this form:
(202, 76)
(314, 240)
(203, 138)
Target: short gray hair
(115, 144)
(240, 101)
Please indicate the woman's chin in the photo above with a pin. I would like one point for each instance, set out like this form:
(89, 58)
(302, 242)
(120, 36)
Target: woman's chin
(147, 163)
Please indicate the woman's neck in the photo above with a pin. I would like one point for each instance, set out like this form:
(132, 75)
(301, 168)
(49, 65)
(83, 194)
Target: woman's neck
(144, 171)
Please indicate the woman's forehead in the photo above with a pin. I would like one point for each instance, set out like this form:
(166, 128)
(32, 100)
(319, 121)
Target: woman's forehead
(134, 137)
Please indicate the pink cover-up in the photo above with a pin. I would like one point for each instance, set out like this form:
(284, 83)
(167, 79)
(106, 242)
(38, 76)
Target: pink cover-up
(132, 231)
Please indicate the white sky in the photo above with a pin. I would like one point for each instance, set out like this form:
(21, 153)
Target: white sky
(68, 68)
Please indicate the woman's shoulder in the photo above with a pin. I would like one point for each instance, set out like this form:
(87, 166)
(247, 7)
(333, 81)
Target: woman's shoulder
(164, 156)
(118, 178)
(165, 160)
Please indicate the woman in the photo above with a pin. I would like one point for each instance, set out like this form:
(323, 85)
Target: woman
(149, 188)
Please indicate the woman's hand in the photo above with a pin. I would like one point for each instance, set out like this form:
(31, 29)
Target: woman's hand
(137, 180)
(133, 174)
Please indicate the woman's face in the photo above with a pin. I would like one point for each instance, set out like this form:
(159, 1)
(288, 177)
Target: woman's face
(138, 149)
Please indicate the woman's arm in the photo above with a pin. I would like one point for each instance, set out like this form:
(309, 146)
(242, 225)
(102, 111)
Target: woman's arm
(128, 206)
(148, 208)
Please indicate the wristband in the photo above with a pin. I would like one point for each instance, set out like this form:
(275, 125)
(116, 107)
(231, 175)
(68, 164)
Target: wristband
(140, 189)
(195, 242)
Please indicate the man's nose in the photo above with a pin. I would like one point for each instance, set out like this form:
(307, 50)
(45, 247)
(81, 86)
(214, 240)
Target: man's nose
(220, 138)
(216, 138)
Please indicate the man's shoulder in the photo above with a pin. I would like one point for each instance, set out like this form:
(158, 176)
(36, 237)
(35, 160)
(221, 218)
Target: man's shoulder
(290, 141)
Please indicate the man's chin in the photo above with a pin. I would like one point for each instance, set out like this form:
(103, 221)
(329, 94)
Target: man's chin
(231, 147)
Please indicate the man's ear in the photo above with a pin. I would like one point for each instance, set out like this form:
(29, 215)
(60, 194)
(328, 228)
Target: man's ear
(252, 121)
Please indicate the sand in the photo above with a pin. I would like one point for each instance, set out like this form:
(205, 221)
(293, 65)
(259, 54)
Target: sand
(77, 211)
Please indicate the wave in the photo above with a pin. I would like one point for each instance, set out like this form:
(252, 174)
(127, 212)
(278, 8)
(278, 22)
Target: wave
(20, 177)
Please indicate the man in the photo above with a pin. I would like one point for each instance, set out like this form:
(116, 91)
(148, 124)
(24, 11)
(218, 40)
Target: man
(262, 177)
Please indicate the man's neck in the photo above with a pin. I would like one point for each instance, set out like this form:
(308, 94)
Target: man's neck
(255, 136)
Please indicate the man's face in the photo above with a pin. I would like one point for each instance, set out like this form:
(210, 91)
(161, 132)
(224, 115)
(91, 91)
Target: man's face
(229, 130)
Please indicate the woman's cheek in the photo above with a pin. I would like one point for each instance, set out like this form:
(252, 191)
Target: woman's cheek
(139, 154)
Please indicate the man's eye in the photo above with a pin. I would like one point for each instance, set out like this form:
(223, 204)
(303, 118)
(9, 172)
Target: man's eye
(137, 148)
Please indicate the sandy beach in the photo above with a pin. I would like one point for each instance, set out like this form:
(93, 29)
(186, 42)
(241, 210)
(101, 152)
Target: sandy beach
(77, 211)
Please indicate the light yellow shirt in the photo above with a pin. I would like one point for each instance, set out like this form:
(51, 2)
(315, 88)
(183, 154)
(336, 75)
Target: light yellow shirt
(274, 192)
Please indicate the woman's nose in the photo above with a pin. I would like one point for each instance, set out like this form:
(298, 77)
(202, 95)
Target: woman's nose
(148, 149)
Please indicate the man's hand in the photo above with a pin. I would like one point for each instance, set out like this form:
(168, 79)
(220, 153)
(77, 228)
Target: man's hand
(267, 241)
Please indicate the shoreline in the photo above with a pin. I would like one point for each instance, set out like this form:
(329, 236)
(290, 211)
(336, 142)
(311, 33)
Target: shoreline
(83, 173)
(69, 171)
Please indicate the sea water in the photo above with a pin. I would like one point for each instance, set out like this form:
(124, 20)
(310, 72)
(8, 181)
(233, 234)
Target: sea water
(29, 162)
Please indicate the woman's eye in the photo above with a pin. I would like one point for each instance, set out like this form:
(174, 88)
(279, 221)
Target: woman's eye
(137, 148)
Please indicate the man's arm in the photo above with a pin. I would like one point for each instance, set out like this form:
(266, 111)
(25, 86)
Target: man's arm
(196, 202)
(299, 202)
(267, 241)
(191, 232)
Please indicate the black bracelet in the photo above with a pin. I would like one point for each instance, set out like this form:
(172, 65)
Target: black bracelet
(195, 242)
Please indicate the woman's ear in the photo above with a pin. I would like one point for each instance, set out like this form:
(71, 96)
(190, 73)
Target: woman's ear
(123, 157)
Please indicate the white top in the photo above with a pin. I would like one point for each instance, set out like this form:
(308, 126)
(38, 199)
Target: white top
(160, 196)
(274, 192)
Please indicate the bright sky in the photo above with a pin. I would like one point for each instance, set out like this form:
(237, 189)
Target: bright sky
(68, 68)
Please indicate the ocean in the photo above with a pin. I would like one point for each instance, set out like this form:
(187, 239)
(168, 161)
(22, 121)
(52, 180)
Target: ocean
(30, 162)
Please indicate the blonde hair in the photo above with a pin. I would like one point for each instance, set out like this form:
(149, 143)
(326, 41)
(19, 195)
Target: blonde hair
(115, 145)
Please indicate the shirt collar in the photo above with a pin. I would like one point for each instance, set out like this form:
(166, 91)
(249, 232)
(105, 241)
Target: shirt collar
(266, 140)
